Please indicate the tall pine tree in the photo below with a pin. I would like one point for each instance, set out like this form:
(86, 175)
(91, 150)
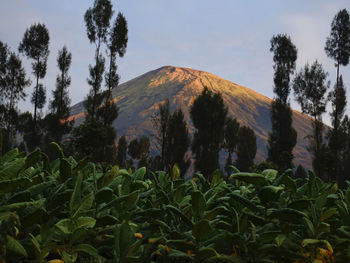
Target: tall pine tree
(208, 114)
(56, 122)
(310, 86)
(338, 48)
(13, 84)
(35, 45)
(246, 149)
(282, 138)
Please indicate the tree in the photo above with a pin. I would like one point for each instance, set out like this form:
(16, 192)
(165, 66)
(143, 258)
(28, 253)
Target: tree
(100, 108)
(97, 21)
(118, 39)
(231, 139)
(13, 82)
(139, 150)
(59, 107)
(177, 142)
(160, 122)
(310, 87)
(337, 97)
(246, 149)
(35, 45)
(122, 150)
(282, 138)
(4, 53)
(338, 48)
(208, 114)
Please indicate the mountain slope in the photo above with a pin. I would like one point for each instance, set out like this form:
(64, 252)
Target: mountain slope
(138, 98)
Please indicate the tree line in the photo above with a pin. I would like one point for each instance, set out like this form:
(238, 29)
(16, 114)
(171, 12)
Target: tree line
(330, 147)
(214, 132)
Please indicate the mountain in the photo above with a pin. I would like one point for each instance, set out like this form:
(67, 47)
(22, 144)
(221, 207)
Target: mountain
(138, 98)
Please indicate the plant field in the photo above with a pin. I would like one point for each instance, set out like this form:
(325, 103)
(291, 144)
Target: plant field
(70, 211)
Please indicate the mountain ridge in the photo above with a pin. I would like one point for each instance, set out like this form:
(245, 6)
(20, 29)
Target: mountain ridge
(139, 97)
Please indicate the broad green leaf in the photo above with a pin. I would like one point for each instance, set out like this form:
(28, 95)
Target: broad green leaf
(65, 225)
(175, 172)
(9, 156)
(216, 178)
(287, 215)
(11, 169)
(81, 234)
(65, 170)
(57, 149)
(15, 246)
(125, 238)
(328, 214)
(108, 177)
(85, 221)
(84, 205)
(104, 195)
(8, 186)
(179, 213)
(139, 174)
(207, 252)
(36, 245)
(201, 229)
(270, 174)
(199, 204)
(76, 195)
(179, 193)
(279, 239)
(270, 193)
(177, 254)
(21, 205)
(250, 178)
(86, 248)
(32, 159)
(244, 201)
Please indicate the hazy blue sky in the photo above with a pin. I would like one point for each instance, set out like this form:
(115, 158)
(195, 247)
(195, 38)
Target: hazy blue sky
(228, 38)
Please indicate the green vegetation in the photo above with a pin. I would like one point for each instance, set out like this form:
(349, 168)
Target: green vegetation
(283, 136)
(73, 211)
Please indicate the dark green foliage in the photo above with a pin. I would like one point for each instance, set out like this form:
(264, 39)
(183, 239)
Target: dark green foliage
(61, 102)
(172, 139)
(282, 138)
(285, 55)
(337, 98)
(75, 212)
(310, 87)
(95, 97)
(139, 150)
(134, 149)
(122, 151)
(97, 21)
(338, 48)
(177, 143)
(100, 106)
(338, 43)
(89, 138)
(208, 114)
(4, 53)
(13, 82)
(55, 122)
(246, 148)
(160, 122)
(300, 172)
(231, 139)
(35, 45)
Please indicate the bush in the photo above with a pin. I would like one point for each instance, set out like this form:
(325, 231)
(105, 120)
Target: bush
(71, 210)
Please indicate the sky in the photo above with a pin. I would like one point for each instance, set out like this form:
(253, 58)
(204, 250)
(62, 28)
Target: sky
(229, 38)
